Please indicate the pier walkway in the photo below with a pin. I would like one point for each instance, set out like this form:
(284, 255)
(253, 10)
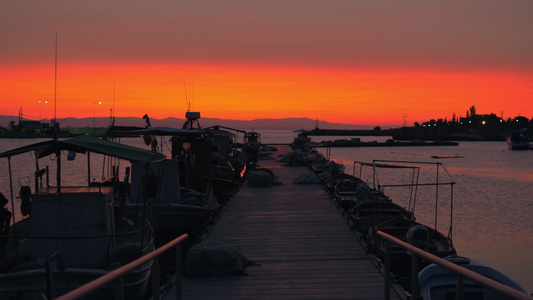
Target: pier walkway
(301, 242)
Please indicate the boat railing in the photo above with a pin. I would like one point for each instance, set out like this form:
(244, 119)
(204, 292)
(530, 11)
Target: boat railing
(117, 274)
(415, 167)
(462, 273)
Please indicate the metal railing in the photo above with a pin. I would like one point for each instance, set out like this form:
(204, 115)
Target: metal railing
(461, 273)
(117, 274)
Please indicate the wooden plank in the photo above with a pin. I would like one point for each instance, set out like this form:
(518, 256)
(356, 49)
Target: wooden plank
(301, 242)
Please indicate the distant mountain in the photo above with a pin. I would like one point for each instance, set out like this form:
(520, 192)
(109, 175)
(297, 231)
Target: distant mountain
(257, 124)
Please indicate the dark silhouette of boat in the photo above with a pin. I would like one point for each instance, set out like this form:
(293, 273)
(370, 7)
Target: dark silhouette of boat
(72, 235)
(518, 140)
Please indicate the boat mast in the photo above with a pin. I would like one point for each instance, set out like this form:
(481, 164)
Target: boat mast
(58, 171)
(191, 116)
(55, 125)
(11, 188)
(55, 85)
(113, 110)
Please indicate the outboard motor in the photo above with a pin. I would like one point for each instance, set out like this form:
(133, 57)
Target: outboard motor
(5, 219)
(3, 200)
(25, 200)
(418, 236)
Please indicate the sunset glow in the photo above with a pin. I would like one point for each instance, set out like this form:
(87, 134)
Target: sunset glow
(365, 97)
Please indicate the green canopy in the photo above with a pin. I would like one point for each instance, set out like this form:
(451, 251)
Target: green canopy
(85, 143)
(97, 145)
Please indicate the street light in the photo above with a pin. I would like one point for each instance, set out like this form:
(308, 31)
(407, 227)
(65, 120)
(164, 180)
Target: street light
(40, 109)
(94, 116)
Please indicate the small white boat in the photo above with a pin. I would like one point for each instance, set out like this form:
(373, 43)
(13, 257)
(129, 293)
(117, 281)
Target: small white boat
(518, 140)
(437, 283)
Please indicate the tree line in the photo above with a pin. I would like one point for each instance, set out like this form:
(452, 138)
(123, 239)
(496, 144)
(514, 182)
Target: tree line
(475, 120)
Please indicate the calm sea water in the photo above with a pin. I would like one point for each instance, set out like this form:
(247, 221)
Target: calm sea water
(492, 197)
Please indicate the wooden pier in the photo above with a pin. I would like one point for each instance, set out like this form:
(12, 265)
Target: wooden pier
(302, 244)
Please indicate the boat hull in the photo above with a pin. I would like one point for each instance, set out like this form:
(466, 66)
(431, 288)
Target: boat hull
(437, 283)
(439, 245)
(176, 218)
(366, 215)
(29, 284)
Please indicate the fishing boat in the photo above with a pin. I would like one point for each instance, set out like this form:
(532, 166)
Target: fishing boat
(350, 193)
(36, 129)
(437, 283)
(404, 226)
(438, 244)
(32, 129)
(366, 215)
(344, 192)
(186, 190)
(251, 146)
(71, 234)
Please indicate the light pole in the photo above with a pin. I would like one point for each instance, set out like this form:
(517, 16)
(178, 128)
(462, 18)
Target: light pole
(40, 102)
(94, 116)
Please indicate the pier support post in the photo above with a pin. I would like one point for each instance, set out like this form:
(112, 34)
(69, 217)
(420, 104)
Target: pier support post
(155, 279)
(178, 273)
(415, 289)
(459, 288)
(387, 270)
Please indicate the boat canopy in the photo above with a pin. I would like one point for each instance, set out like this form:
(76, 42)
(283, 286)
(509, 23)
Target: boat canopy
(169, 131)
(85, 143)
(159, 131)
(217, 127)
(253, 133)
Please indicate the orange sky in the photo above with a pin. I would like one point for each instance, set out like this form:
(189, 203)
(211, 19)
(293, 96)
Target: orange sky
(365, 97)
(353, 62)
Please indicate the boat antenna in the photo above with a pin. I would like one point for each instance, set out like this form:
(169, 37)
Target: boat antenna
(191, 116)
(189, 94)
(187, 103)
(55, 85)
(192, 92)
(437, 196)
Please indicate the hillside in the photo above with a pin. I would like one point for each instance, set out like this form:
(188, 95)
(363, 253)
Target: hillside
(257, 124)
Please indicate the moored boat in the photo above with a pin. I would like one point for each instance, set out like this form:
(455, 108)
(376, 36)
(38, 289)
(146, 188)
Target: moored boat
(251, 146)
(437, 283)
(186, 190)
(33, 129)
(73, 234)
(349, 194)
(438, 244)
(400, 222)
(370, 214)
